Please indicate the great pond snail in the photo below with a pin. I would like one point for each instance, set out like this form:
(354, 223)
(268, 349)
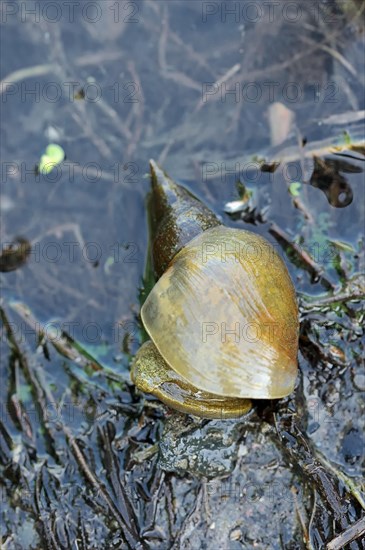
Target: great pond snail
(222, 316)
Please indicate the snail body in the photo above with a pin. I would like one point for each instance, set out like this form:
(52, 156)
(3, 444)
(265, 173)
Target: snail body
(222, 316)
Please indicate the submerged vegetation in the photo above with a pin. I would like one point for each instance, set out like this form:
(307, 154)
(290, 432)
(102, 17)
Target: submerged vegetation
(86, 460)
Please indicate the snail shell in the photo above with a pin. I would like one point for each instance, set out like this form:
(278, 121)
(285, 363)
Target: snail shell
(223, 314)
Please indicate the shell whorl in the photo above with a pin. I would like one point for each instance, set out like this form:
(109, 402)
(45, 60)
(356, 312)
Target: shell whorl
(176, 217)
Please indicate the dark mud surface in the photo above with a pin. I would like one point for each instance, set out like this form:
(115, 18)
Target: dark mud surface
(217, 98)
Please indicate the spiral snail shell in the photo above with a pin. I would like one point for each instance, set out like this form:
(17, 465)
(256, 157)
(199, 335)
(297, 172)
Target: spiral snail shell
(222, 316)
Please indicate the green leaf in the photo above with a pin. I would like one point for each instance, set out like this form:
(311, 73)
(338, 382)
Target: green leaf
(55, 152)
(347, 138)
(53, 156)
(294, 188)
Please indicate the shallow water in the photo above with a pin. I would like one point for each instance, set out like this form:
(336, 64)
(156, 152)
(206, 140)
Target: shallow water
(193, 85)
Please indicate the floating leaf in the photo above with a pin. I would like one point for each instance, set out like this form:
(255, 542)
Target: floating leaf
(53, 156)
(294, 188)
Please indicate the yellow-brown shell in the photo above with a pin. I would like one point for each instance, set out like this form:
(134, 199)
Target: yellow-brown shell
(224, 316)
